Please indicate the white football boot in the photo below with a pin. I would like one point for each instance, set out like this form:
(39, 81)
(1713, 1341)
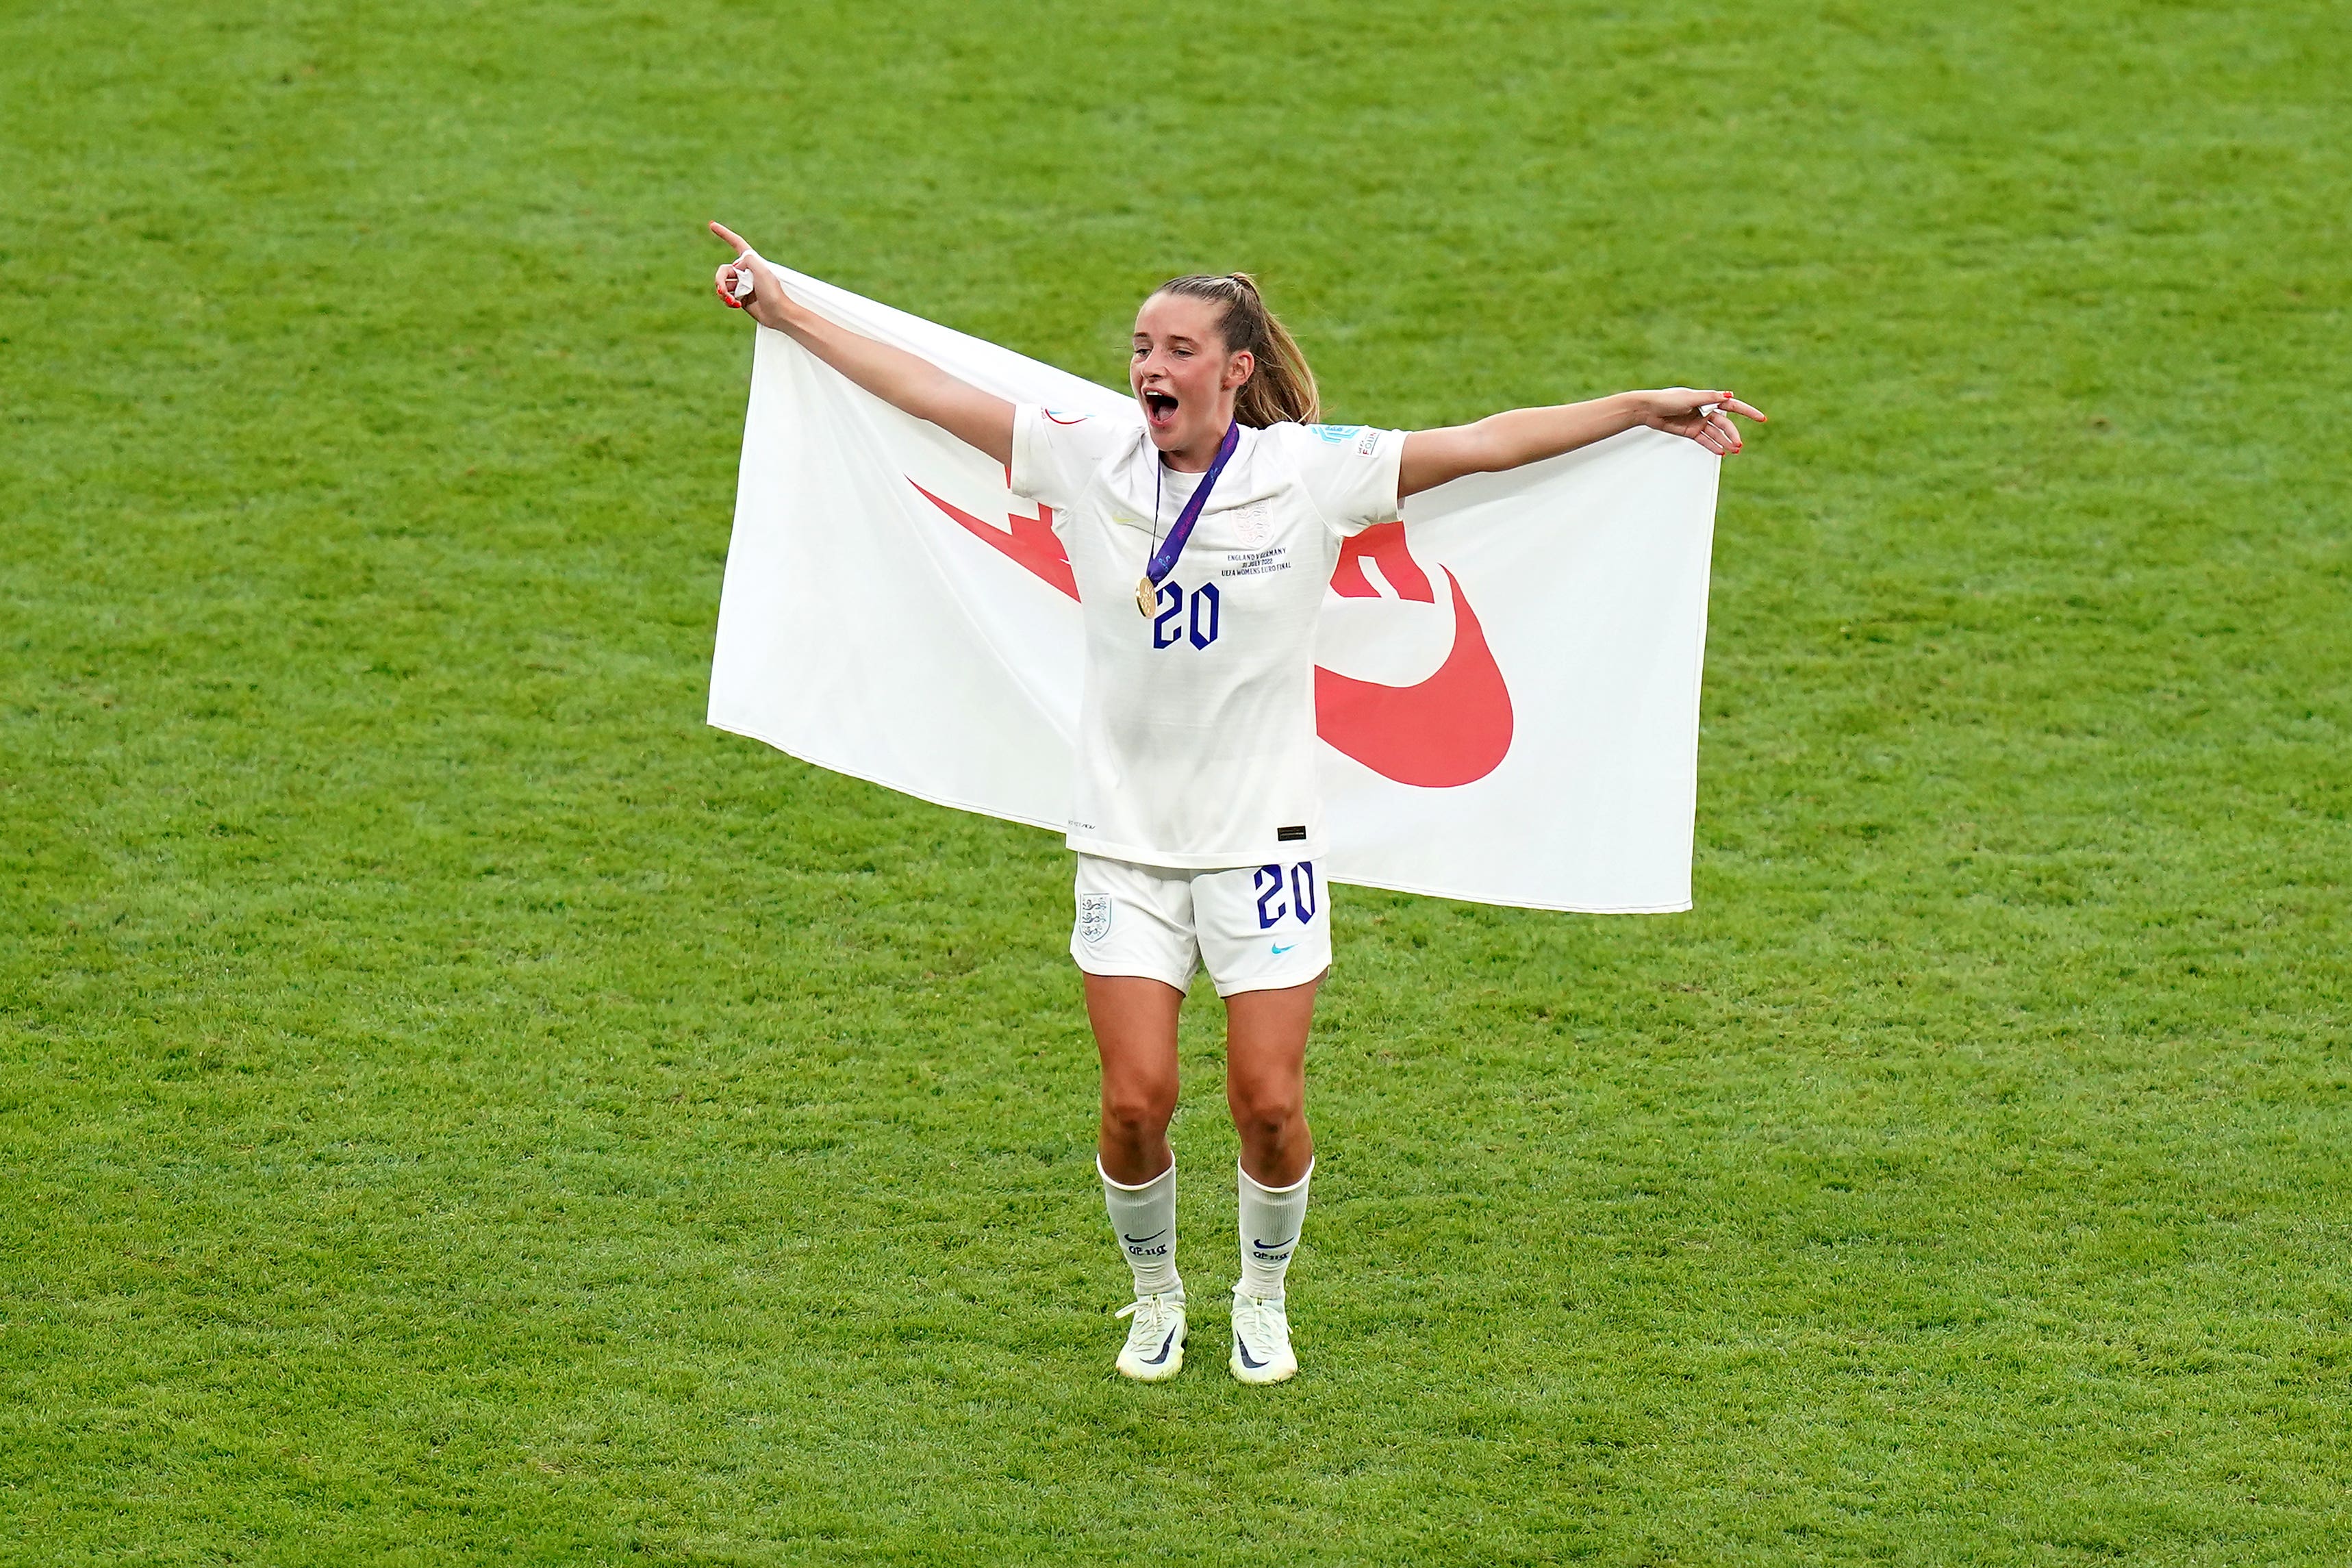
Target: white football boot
(1154, 1352)
(1261, 1340)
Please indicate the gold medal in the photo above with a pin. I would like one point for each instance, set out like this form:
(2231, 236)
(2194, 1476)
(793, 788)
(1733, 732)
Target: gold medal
(1146, 592)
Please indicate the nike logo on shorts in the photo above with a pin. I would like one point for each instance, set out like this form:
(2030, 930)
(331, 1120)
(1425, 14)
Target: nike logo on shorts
(1280, 949)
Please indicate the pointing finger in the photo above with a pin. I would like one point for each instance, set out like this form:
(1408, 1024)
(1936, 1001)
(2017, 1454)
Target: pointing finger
(1741, 408)
(731, 237)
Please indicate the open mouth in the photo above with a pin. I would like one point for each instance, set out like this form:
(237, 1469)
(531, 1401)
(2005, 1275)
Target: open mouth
(1160, 407)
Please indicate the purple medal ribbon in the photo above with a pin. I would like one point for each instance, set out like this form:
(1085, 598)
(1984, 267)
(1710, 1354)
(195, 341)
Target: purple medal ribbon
(1163, 559)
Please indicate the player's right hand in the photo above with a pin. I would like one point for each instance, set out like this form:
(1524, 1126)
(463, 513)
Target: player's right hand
(766, 289)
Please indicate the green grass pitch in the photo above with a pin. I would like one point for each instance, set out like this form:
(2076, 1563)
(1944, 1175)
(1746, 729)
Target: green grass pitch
(454, 1107)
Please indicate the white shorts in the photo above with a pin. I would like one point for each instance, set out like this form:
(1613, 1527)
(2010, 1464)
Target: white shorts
(1259, 927)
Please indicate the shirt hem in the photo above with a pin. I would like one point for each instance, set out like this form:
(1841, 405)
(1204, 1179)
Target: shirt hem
(1227, 860)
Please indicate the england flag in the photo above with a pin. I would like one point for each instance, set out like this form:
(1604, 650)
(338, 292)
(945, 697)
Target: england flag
(1506, 682)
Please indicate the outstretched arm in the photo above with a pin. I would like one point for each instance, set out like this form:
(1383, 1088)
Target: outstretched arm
(1529, 435)
(904, 381)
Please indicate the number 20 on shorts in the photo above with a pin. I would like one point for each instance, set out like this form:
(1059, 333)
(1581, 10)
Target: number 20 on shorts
(1271, 885)
(1172, 626)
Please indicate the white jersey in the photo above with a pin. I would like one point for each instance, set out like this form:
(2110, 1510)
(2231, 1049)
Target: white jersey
(1196, 733)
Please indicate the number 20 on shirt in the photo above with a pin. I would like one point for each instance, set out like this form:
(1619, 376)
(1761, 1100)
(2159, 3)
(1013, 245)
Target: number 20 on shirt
(1185, 617)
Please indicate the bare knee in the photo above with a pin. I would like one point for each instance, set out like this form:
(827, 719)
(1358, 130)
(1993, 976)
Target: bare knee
(1267, 1113)
(1137, 1113)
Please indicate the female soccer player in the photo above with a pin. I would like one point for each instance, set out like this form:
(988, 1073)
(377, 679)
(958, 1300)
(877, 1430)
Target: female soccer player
(1203, 532)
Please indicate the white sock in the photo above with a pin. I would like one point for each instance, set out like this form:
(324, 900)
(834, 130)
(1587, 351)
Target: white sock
(1144, 1218)
(1271, 1218)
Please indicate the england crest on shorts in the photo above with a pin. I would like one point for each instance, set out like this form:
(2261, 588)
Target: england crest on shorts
(1094, 917)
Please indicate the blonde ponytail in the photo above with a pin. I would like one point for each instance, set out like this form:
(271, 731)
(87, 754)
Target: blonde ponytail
(1281, 390)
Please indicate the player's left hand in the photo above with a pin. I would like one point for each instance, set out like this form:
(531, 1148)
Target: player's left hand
(1701, 416)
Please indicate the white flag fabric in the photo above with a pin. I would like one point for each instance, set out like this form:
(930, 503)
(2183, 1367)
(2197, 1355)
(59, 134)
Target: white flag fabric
(1507, 680)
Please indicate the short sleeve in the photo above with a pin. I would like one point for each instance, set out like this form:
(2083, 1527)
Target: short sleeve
(1056, 455)
(1349, 472)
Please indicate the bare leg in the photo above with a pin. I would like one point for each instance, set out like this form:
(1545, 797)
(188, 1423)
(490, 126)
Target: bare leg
(1134, 1030)
(1265, 1080)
